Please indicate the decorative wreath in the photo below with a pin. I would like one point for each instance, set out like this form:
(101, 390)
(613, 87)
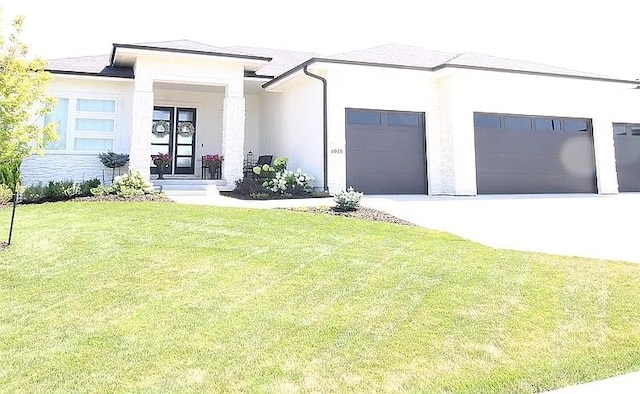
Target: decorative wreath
(160, 128)
(186, 129)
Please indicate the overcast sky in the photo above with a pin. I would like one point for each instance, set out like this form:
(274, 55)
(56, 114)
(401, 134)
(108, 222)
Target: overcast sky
(590, 35)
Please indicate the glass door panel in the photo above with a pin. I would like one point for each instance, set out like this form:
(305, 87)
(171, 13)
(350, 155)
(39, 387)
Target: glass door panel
(161, 135)
(185, 141)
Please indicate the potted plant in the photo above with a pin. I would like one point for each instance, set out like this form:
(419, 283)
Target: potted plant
(162, 161)
(114, 161)
(213, 163)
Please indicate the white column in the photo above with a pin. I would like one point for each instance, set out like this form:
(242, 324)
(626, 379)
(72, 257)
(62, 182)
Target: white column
(142, 117)
(605, 156)
(233, 133)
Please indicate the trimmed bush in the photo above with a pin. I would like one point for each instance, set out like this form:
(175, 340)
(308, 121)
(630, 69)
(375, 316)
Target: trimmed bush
(347, 200)
(130, 185)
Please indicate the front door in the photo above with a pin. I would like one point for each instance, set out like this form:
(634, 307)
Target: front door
(174, 132)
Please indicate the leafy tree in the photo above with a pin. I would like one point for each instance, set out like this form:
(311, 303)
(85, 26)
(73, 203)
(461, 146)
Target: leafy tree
(23, 103)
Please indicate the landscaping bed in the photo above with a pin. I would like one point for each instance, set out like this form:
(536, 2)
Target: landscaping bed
(360, 213)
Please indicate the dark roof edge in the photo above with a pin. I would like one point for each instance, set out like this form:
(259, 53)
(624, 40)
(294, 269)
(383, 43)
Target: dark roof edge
(540, 73)
(187, 51)
(439, 67)
(87, 74)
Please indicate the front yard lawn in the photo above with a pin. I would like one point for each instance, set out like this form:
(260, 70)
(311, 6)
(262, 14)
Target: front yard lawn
(166, 297)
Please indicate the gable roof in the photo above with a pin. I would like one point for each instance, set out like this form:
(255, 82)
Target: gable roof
(88, 65)
(282, 60)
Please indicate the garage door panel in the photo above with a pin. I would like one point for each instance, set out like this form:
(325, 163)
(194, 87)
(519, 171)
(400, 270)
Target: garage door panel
(506, 163)
(390, 183)
(362, 161)
(527, 183)
(380, 139)
(627, 149)
(384, 159)
(549, 142)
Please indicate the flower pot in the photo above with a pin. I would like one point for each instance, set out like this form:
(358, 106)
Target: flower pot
(213, 171)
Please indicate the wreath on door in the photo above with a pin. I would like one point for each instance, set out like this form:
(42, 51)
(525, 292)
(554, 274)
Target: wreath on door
(160, 128)
(186, 129)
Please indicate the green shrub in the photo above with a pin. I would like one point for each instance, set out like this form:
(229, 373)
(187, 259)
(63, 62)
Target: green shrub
(61, 190)
(6, 194)
(10, 174)
(289, 182)
(86, 186)
(248, 186)
(130, 185)
(347, 200)
(34, 193)
(100, 190)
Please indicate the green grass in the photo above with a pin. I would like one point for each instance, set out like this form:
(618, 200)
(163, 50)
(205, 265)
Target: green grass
(165, 297)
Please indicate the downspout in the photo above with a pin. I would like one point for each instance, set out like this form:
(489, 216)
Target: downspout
(325, 155)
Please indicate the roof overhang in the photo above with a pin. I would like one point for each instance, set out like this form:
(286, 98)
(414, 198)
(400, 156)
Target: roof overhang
(292, 73)
(120, 52)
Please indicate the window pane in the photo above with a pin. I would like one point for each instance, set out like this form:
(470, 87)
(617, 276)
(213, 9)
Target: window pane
(488, 121)
(155, 149)
(635, 129)
(184, 150)
(93, 144)
(619, 129)
(543, 124)
(161, 115)
(87, 105)
(403, 120)
(517, 122)
(185, 116)
(59, 115)
(363, 117)
(105, 125)
(183, 162)
(575, 125)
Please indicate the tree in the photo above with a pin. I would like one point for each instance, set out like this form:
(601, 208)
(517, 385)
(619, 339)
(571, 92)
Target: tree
(23, 104)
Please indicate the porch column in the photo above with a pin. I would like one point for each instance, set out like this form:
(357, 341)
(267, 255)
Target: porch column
(142, 117)
(233, 133)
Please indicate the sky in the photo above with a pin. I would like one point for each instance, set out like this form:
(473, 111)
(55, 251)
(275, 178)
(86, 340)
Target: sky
(589, 35)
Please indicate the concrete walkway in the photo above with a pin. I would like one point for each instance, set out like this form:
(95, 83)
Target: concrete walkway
(595, 226)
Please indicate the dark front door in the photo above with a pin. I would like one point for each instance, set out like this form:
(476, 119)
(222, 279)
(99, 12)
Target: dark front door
(174, 132)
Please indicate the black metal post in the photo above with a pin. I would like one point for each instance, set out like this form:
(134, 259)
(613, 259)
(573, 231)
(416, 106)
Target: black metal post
(13, 215)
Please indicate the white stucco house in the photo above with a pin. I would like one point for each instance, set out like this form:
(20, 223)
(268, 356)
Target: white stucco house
(389, 119)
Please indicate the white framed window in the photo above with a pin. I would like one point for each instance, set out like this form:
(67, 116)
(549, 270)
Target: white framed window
(84, 124)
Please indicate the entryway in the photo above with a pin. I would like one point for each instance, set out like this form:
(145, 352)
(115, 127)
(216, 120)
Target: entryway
(174, 132)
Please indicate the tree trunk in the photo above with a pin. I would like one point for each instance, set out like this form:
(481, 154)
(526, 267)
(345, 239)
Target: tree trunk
(13, 215)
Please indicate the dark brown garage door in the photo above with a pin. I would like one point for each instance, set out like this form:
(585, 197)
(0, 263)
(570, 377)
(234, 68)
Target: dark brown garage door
(385, 152)
(529, 154)
(627, 141)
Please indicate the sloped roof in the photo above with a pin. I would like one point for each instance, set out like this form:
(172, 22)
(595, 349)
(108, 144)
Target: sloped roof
(397, 54)
(472, 59)
(191, 46)
(282, 60)
(90, 65)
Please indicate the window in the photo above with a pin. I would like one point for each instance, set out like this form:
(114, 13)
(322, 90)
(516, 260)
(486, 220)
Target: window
(59, 115)
(88, 105)
(517, 122)
(84, 125)
(363, 117)
(575, 125)
(546, 124)
(403, 120)
(632, 129)
(486, 120)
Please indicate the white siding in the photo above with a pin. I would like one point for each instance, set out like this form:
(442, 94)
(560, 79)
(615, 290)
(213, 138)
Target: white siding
(291, 125)
(79, 166)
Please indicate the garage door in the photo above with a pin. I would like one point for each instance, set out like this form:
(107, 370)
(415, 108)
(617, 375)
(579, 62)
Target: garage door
(532, 154)
(385, 152)
(627, 141)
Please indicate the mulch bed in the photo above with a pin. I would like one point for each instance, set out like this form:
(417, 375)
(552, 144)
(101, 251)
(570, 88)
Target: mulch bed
(361, 213)
(114, 198)
(3, 245)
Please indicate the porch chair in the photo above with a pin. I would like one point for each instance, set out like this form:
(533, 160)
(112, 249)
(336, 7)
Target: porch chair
(262, 160)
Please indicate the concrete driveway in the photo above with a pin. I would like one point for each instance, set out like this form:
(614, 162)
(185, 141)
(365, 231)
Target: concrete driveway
(603, 227)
